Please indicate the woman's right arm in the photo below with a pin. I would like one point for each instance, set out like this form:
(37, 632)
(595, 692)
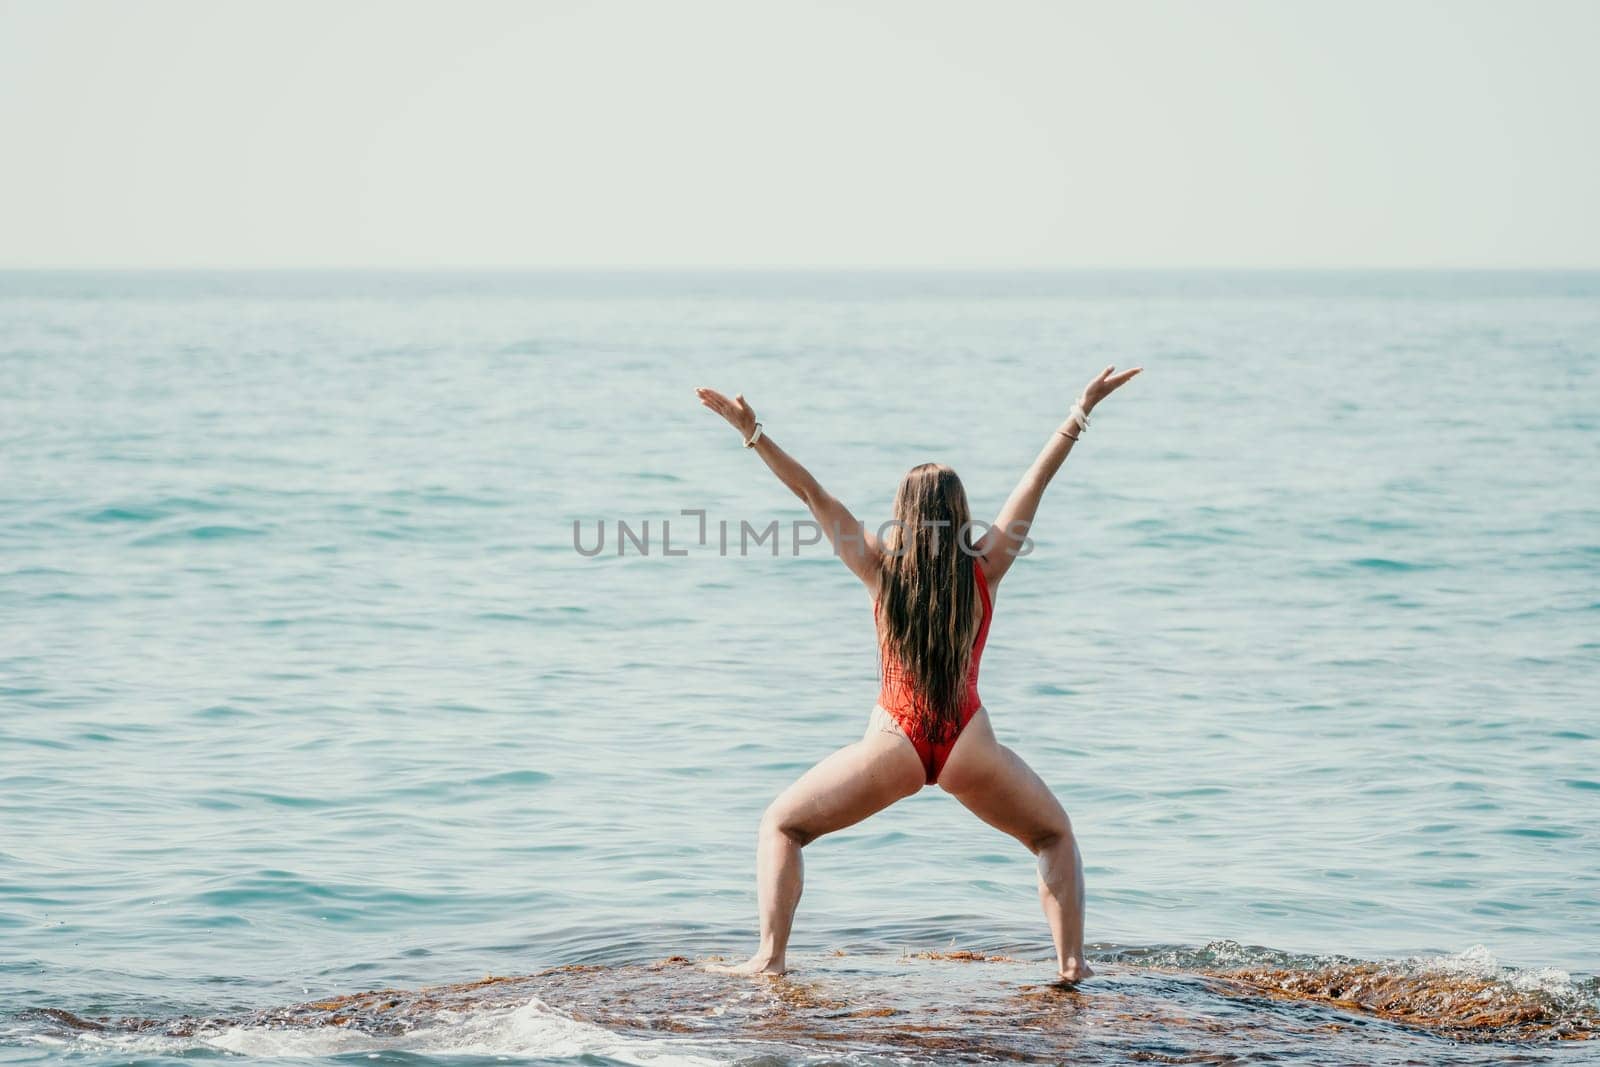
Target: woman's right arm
(1001, 543)
(851, 542)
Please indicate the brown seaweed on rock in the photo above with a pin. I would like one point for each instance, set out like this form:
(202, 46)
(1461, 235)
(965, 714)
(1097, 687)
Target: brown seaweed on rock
(934, 1005)
(1462, 1006)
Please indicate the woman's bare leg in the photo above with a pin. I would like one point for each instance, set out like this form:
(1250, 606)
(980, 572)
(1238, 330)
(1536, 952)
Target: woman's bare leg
(996, 785)
(843, 789)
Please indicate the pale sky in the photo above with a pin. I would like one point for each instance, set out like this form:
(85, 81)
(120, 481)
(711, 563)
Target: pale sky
(987, 133)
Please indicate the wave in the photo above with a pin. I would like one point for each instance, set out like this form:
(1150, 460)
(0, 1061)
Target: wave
(532, 1028)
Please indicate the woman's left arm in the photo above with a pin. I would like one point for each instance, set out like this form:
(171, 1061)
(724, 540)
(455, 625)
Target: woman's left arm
(851, 542)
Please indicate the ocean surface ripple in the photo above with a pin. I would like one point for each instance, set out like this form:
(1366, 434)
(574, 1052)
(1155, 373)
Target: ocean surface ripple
(306, 692)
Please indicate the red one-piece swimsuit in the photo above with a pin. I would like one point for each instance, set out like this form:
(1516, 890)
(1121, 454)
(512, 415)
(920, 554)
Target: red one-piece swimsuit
(897, 695)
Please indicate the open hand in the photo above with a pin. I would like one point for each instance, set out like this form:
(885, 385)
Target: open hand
(1103, 385)
(739, 414)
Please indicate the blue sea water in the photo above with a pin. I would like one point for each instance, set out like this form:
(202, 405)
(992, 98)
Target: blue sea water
(304, 688)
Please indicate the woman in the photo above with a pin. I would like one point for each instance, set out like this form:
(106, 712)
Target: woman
(933, 589)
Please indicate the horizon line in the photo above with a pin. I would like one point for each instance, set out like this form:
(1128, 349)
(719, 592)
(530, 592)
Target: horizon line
(664, 268)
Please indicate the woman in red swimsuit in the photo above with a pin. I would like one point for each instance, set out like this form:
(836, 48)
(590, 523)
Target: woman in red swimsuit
(933, 589)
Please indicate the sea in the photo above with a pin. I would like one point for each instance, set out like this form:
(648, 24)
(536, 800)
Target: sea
(395, 666)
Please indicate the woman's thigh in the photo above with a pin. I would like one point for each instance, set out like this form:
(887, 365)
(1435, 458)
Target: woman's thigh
(997, 786)
(848, 785)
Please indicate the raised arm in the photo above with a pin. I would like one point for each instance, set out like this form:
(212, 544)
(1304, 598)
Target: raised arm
(850, 540)
(1001, 542)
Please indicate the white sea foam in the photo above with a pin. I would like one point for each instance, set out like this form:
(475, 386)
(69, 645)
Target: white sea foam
(531, 1029)
(1479, 962)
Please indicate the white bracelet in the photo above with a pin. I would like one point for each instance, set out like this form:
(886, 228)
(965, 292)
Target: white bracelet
(1079, 416)
(755, 435)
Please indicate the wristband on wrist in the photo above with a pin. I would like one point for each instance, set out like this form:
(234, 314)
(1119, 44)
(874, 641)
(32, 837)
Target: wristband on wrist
(1079, 417)
(755, 435)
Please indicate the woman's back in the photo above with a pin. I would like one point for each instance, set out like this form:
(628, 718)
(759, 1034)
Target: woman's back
(900, 696)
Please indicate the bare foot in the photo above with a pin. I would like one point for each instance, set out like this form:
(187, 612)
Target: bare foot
(1076, 970)
(757, 964)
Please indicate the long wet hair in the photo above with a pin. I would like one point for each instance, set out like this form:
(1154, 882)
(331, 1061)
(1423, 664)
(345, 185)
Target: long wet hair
(927, 607)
